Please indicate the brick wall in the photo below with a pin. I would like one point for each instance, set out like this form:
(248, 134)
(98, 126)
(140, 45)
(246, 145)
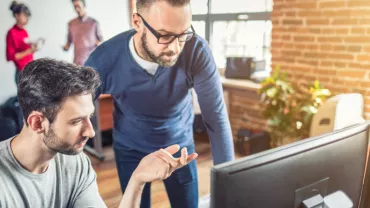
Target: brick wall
(328, 40)
(244, 109)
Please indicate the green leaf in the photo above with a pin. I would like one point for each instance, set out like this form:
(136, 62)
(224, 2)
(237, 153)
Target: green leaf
(271, 92)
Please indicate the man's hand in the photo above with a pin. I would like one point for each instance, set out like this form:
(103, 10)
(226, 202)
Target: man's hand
(33, 48)
(161, 164)
(66, 47)
(158, 165)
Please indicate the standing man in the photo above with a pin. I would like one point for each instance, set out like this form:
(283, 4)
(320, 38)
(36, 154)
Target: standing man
(84, 32)
(149, 71)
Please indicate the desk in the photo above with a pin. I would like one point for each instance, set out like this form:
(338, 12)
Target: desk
(239, 86)
(106, 112)
(243, 104)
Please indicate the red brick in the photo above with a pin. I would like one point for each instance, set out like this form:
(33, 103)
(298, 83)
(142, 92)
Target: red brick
(361, 39)
(364, 21)
(365, 84)
(317, 22)
(332, 4)
(292, 22)
(350, 84)
(326, 72)
(367, 101)
(305, 5)
(342, 31)
(315, 30)
(290, 14)
(354, 48)
(325, 47)
(358, 31)
(338, 64)
(308, 62)
(286, 37)
(352, 74)
(326, 64)
(360, 12)
(325, 31)
(304, 38)
(276, 36)
(357, 66)
(363, 58)
(305, 13)
(362, 3)
(324, 79)
(291, 53)
(339, 48)
(330, 39)
(341, 56)
(345, 21)
(336, 13)
(367, 49)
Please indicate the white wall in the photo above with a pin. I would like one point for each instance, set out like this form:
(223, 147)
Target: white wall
(49, 20)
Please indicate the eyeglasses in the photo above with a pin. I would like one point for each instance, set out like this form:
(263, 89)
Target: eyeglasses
(167, 39)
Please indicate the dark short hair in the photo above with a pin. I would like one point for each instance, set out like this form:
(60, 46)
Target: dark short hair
(148, 3)
(18, 8)
(83, 1)
(44, 84)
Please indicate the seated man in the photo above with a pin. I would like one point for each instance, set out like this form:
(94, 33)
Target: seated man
(44, 165)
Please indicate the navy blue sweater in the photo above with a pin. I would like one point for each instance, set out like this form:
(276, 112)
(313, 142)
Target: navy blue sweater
(152, 112)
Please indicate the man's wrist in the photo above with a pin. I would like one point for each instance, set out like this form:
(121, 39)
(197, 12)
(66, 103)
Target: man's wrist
(136, 181)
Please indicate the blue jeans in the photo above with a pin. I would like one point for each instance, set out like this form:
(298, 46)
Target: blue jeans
(181, 186)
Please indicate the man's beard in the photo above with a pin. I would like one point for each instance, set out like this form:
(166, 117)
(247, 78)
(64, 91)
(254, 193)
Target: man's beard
(157, 59)
(56, 144)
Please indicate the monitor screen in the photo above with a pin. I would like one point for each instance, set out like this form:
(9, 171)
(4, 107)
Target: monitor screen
(286, 176)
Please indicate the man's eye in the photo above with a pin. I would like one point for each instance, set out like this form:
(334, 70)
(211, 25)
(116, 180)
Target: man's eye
(76, 122)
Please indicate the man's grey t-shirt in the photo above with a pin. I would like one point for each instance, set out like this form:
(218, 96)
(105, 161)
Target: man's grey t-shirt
(69, 181)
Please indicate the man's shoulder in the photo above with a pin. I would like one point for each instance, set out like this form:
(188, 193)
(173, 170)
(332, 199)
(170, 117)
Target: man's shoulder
(72, 21)
(115, 45)
(197, 46)
(120, 39)
(92, 19)
(4, 146)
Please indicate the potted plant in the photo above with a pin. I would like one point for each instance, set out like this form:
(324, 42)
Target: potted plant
(289, 108)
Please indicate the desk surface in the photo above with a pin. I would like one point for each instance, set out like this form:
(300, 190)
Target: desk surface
(242, 84)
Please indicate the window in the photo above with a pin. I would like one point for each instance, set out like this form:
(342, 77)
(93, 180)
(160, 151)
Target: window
(234, 27)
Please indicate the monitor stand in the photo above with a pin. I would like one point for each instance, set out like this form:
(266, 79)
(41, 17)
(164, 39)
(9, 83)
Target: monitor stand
(337, 199)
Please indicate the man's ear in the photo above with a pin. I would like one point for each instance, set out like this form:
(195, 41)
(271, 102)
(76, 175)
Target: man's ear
(136, 22)
(37, 122)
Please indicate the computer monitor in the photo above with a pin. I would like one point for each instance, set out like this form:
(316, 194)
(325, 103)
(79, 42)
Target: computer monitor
(286, 176)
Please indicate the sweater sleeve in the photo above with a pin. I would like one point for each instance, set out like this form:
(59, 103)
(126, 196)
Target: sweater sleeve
(208, 87)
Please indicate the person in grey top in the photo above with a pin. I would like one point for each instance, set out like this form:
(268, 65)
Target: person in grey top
(83, 32)
(44, 165)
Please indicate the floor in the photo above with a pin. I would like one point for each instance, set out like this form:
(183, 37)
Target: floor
(108, 182)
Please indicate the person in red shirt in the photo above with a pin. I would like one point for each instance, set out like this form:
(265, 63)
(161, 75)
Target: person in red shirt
(18, 48)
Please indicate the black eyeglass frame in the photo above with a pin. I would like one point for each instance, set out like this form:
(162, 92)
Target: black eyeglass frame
(158, 36)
